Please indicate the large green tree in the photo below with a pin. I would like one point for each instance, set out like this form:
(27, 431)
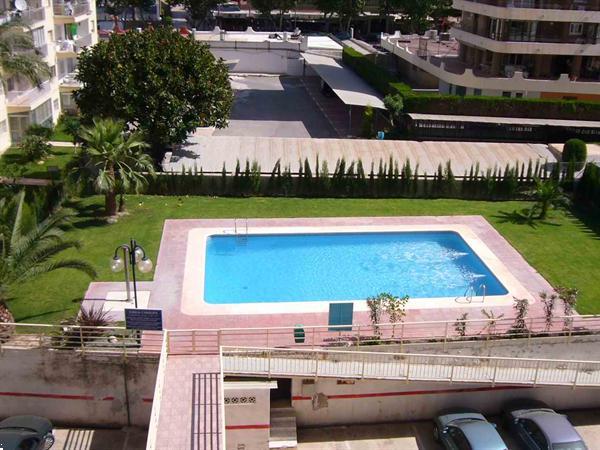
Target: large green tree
(18, 55)
(164, 84)
(31, 247)
(198, 9)
(113, 160)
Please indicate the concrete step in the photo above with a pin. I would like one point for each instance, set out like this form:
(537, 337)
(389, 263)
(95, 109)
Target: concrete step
(283, 431)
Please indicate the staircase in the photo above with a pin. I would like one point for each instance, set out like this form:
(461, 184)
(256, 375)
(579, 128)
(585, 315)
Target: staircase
(283, 429)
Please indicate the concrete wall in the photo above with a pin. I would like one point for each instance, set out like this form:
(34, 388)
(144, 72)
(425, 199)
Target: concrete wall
(70, 388)
(247, 414)
(284, 62)
(382, 401)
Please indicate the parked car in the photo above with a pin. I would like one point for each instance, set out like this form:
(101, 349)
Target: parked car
(466, 429)
(26, 433)
(538, 427)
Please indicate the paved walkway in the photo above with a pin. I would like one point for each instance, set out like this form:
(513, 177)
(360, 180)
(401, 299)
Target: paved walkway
(185, 422)
(209, 153)
(99, 439)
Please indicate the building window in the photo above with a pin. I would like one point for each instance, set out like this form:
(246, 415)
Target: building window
(42, 114)
(461, 90)
(38, 37)
(3, 127)
(506, 94)
(519, 94)
(575, 29)
(55, 104)
(476, 91)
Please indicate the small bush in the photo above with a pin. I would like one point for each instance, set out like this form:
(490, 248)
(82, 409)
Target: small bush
(40, 131)
(71, 125)
(574, 150)
(35, 147)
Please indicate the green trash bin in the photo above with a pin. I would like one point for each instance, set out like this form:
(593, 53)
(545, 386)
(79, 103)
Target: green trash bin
(299, 334)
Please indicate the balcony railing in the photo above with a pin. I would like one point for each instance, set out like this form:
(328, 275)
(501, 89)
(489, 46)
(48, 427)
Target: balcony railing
(71, 9)
(74, 45)
(542, 4)
(33, 15)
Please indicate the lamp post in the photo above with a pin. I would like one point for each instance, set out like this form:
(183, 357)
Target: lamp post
(133, 256)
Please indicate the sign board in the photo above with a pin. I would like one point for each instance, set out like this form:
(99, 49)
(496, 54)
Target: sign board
(143, 319)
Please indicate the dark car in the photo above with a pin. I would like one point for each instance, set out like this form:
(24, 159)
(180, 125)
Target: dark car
(26, 433)
(538, 427)
(466, 429)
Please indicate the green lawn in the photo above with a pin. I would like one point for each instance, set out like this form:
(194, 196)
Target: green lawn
(60, 134)
(59, 157)
(564, 249)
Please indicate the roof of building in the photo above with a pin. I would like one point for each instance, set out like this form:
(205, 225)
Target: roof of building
(348, 86)
(506, 120)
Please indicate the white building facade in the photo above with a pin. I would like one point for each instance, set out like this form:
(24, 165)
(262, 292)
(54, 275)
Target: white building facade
(60, 30)
(524, 48)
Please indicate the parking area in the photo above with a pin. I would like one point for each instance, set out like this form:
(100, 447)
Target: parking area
(275, 106)
(419, 435)
(99, 439)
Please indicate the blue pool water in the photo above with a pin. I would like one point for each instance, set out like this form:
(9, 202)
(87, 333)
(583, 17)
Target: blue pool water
(342, 266)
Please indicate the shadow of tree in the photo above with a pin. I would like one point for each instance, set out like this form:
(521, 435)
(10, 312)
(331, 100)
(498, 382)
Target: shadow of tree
(523, 217)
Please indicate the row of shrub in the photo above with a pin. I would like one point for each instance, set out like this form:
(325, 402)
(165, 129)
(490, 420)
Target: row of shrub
(387, 84)
(587, 192)
(351, 179)
(375, 75)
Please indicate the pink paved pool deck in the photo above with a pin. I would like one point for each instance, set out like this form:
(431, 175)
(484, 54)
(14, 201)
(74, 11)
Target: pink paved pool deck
(166, 289)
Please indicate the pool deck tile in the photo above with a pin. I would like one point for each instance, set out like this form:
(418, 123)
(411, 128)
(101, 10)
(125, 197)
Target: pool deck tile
(166, 289)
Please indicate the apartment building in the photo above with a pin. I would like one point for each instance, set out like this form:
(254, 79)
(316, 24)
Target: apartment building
(60, 30)
(516, 48)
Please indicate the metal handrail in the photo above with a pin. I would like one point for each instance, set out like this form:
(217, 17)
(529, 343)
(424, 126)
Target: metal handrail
(409, 366)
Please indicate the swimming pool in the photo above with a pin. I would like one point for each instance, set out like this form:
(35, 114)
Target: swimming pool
(312, 267)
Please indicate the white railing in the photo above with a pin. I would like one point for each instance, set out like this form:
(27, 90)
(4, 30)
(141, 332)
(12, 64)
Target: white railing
(71, 9)
(74, 45)
(209, 340)
(79, 338)
(156, 399)
(408, 366)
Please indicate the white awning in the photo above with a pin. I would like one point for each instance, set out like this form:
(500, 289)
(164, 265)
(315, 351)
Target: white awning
(348, 86)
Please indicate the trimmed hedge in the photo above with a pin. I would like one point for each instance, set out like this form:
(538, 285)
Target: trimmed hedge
(376, 76)
(574, 150)
(502, 107)
(587, 191)
(387, 84)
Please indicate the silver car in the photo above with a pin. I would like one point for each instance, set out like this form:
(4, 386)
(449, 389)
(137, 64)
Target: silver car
(466, 429)
(538, 427)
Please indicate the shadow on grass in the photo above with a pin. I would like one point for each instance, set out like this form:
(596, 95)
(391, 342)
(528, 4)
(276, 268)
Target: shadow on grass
(589, 221)
(88, 215)
(42, 314)
(523, 217)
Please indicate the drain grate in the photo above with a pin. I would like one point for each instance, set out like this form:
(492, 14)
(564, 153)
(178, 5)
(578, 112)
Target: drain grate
(206, 411)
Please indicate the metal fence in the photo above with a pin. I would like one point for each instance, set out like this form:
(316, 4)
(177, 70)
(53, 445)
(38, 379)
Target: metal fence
(209, 340)
(408, 366)
(80, 338)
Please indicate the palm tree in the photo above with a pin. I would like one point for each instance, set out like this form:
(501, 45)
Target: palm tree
(18, 55)
(27, 251)
(546, 194)
(113, 159)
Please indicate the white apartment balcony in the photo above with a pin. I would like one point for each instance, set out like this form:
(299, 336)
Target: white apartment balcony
(28, 100)
(447, 67)
(31, 16)
(524, 48)
(69, 48)
(69, 83)
(528, 10)
(70, 12)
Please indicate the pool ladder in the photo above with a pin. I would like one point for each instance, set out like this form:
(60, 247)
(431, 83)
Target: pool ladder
(471, 292)
(242, 236)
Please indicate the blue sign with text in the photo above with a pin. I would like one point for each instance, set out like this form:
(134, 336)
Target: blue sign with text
(143, 319)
